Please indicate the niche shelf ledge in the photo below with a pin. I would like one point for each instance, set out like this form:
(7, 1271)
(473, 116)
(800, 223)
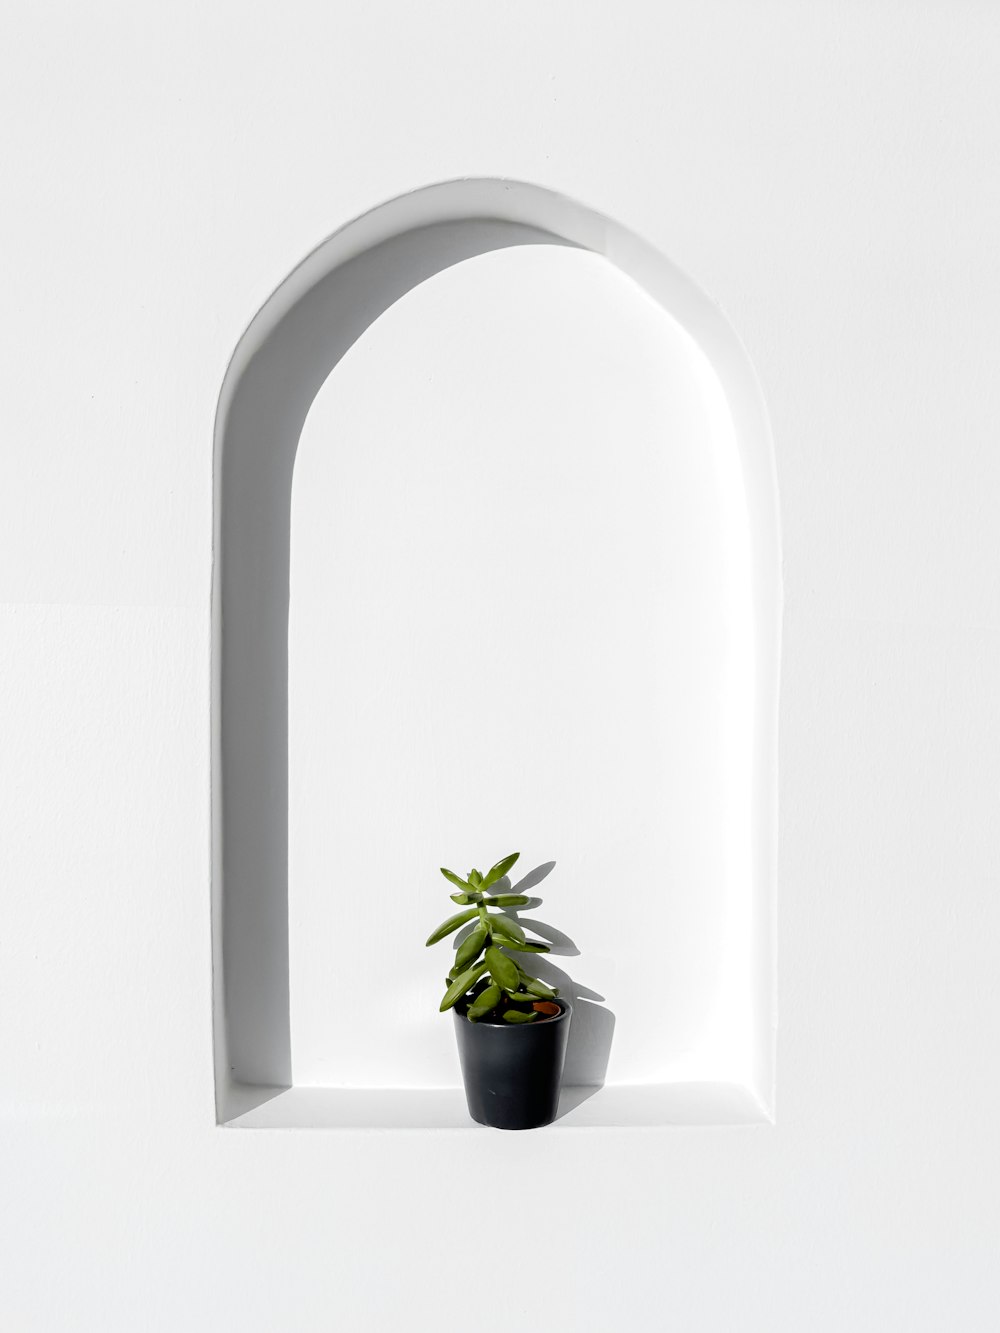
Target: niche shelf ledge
(613, 1107)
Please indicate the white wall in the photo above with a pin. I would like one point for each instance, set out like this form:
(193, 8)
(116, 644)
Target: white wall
(829, 176)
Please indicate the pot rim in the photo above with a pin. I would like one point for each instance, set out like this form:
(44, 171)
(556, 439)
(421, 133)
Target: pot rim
(566, 1009)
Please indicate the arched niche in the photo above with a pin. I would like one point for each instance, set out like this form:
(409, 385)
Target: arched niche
(284, 358)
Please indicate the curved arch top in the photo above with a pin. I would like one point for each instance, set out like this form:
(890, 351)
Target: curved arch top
(288, 350)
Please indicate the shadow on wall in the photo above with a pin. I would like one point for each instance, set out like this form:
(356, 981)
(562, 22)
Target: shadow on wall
(593, 1025)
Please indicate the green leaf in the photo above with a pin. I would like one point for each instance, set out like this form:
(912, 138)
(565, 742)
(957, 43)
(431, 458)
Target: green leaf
(519, 998)
(475, 878)
(466, 897)
(503, 925)
(460, 985)
(469, 949)
(509, 900)
(484, 981)
(453, 923)
(518, 1016)
(488, 1000)
(539, 988)
(458, 882)
(500, 869)
(529, 946)
(503, 970)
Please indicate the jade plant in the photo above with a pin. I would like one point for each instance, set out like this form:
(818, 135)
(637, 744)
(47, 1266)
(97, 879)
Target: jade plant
(494, 985)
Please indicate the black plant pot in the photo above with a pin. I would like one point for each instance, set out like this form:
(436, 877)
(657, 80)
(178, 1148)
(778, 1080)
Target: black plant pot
(512, 1071)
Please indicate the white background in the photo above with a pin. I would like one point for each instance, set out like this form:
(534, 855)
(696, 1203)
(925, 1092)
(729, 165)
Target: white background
(830, 177)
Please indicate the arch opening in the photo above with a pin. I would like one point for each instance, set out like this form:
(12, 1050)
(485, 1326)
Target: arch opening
(287, 354)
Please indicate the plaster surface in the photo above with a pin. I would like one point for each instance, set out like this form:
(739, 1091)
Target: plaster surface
(828, 173)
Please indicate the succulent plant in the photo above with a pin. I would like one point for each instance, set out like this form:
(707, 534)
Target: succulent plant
(484, 972)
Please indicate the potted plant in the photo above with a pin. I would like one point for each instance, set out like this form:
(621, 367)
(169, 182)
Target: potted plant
(512, 1028)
